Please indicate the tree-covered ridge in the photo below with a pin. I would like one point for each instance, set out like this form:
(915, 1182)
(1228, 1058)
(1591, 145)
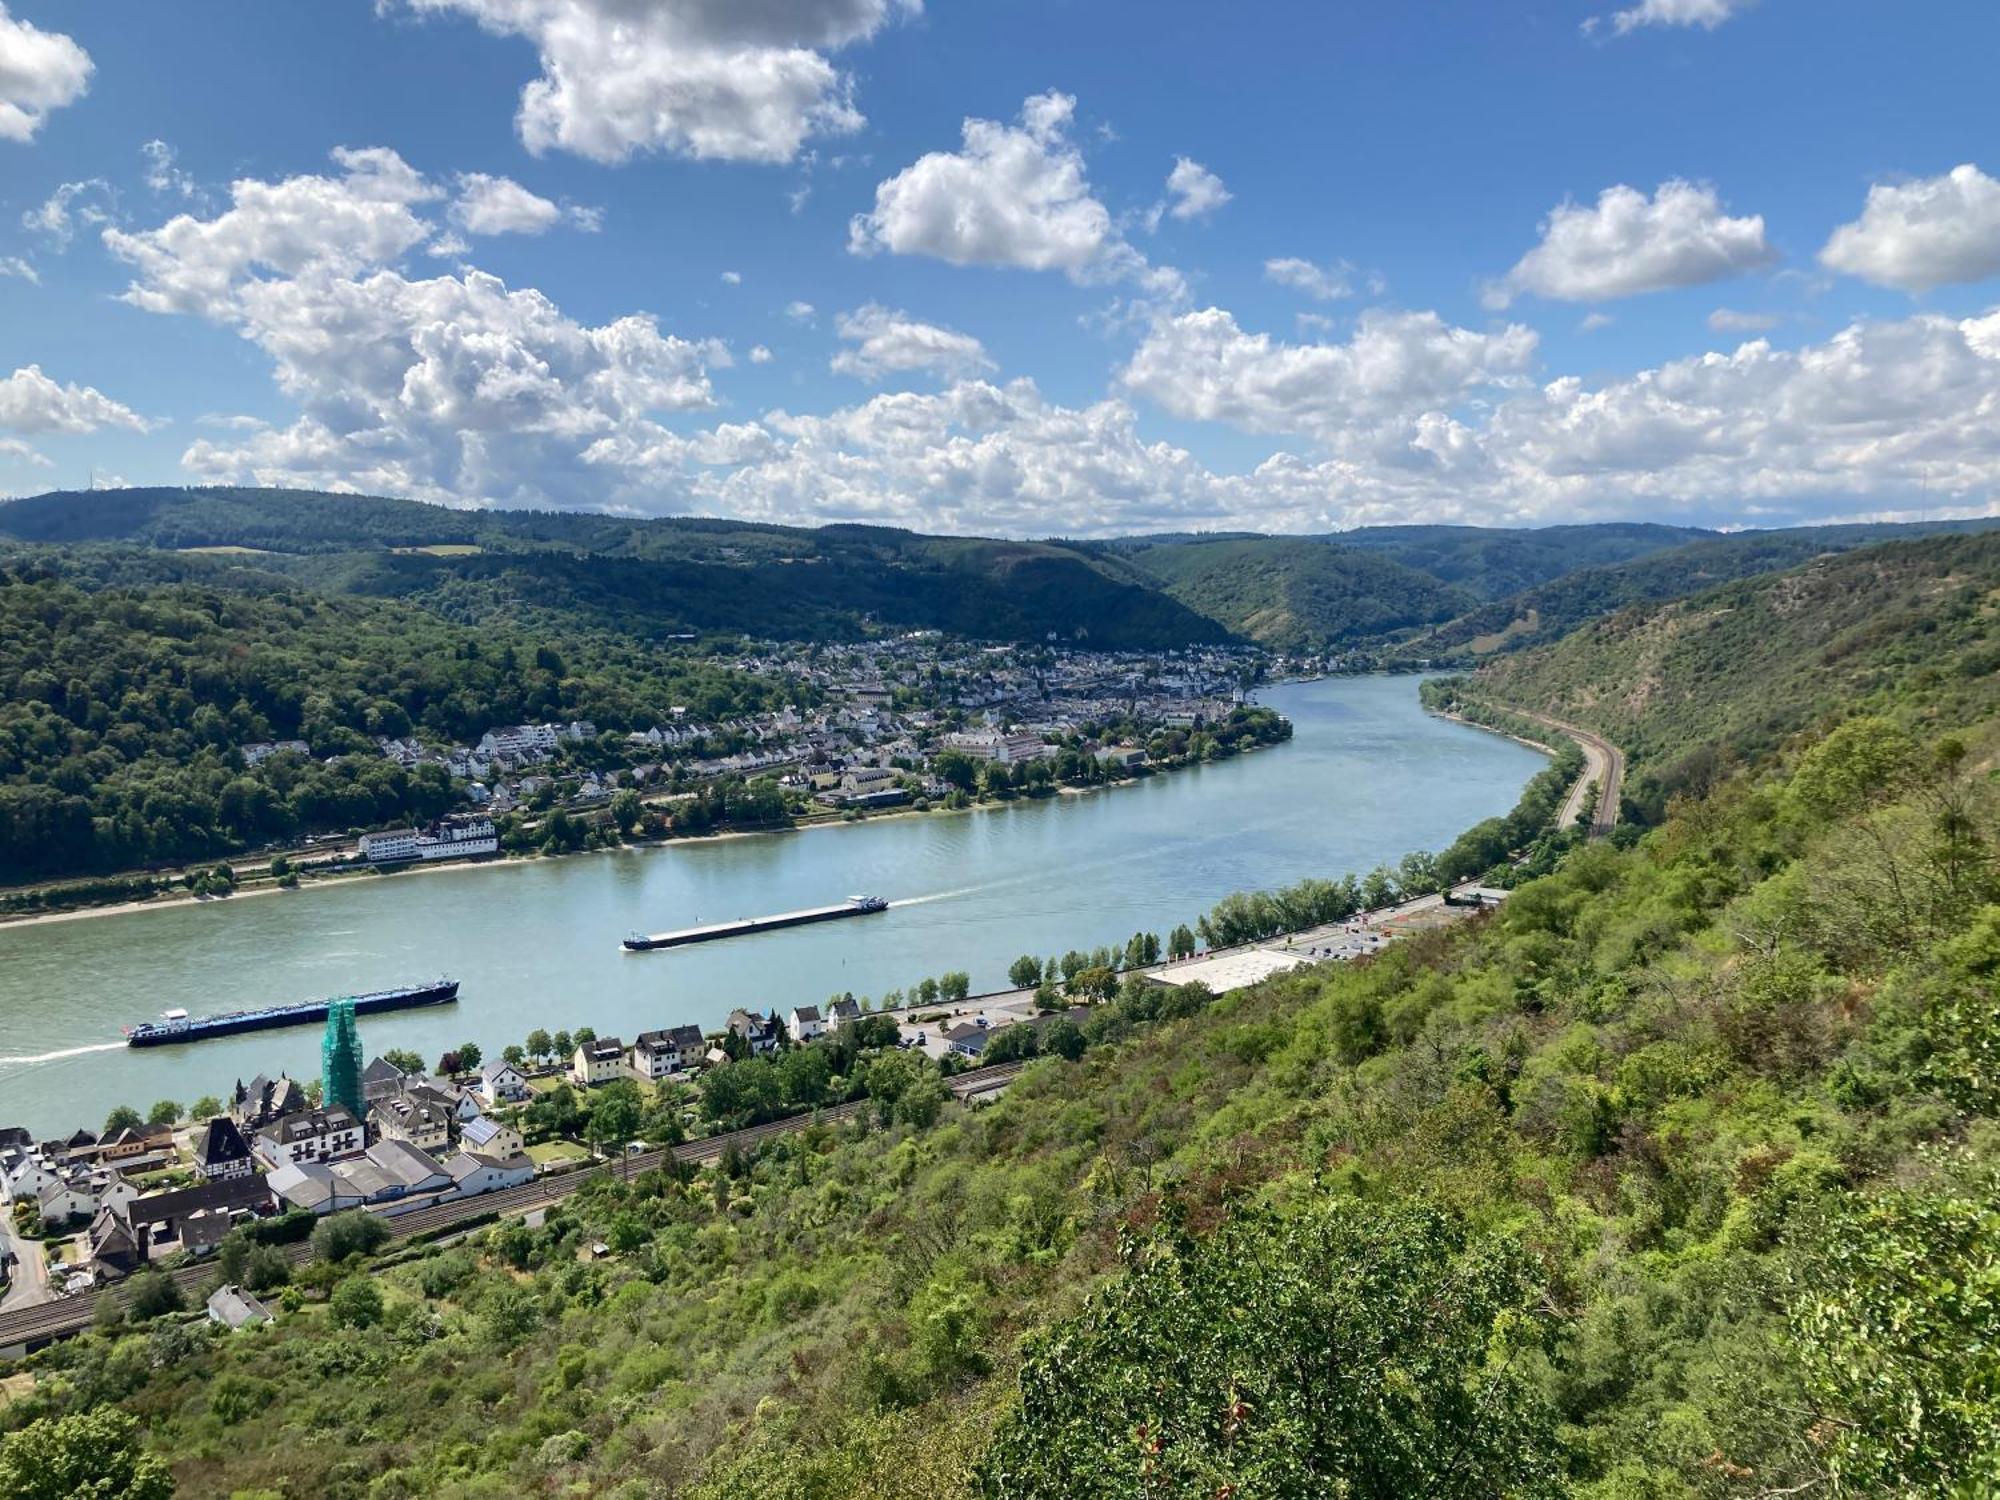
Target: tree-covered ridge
(1552, 609)
(651, 577)
(122, 709)
(1300, 593)
(1496, 563)
(1673, 1178)
(1691, 687)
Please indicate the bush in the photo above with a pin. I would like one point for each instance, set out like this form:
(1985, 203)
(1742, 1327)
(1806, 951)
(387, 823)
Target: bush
(352, 1233)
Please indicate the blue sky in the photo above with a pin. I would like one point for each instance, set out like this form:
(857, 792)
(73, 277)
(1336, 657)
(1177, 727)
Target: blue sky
(1283, 267)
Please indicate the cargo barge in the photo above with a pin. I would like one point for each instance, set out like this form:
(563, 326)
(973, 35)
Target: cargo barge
(853, 906)
(178, 1026)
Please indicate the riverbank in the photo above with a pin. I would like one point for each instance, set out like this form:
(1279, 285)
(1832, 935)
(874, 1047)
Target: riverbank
(310, 881)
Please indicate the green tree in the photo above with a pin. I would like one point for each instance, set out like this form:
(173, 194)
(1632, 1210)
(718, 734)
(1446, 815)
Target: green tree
(354, 1232)
(123, 1117)
(1894, 1318)
(540, 1044)
(1025, 972)
(89, 1455)
(954, 986)
(356, 1303)
(626, 810)
(163, 1112)
(469, 1056)
(152, 1294)
(207, 1107)
(1180, 942)
(403, 1059)
(1383, 1359)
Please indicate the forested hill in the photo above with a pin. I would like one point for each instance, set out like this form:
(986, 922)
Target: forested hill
(1691, 687)
(642, 577)
(1552, 609)
(1676, 1178)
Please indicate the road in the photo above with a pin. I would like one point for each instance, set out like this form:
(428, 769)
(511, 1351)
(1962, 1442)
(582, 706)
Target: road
(1603, 767)
(31, 1327)
(31, 1274)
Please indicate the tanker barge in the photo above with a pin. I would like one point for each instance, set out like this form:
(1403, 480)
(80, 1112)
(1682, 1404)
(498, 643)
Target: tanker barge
(853, 906)
(179, 1026)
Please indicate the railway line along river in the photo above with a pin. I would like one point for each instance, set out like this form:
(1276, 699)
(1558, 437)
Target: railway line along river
(1367, 777)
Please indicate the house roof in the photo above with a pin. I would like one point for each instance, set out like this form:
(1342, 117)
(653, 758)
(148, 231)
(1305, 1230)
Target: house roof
(480, 1130)
(407, 1164)
(312, 1122)
(603, 1049)
(224, 1143)
(965, 1031)
(805, 1012)
(252, 1191)
(235, 1308)
(382, 1071)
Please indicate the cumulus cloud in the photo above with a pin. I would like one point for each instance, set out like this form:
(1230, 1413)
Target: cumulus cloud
(1193, 192)
(1013, 195)
(887, 342)
(13, 450)
(40, 71)
(14, 265)
(1201, 365)
(1707, 14)
(800, 312)
(451, 387)
(720, 79)
(1630, 243)
(760, 355)
(31, 402)
(500, 205)
(1918, 235)
(732, 278)
(1325, 283)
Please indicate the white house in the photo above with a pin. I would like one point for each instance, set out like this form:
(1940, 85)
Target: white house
(472, 1174)
(806, 1023)
(503, 1083)
(756, 1030)
(486, 1136)
(661, 1054)
(312, 1135)
(598, 1061)
(389, 845)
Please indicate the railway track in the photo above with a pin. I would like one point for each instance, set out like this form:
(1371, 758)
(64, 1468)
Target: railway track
(31, 1327)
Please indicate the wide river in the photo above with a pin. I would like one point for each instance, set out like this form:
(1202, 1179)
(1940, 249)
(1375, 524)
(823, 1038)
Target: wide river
(1367, 777)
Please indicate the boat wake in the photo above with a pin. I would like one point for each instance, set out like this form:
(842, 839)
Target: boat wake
(968, 890)
(44, 1057)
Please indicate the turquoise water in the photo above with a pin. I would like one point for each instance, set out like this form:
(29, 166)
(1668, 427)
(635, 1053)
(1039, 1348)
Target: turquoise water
(1367, 777)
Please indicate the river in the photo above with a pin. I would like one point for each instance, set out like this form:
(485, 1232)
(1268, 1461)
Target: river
(1367, 777)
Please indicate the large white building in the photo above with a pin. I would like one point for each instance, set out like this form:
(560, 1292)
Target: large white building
(449, 838)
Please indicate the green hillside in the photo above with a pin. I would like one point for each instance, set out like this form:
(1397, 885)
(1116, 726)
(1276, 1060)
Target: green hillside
(1553, 609)
(1692, 687)
(1299, 593)
(1493, 563)
(1677, 1178)
(648, 577)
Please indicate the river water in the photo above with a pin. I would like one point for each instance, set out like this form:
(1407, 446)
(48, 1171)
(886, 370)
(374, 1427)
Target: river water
(1367, 777)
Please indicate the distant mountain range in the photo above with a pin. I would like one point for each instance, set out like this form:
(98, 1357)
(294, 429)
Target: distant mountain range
(1406, 592)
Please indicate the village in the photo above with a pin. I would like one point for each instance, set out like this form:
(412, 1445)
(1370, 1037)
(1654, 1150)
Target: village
(915, 721)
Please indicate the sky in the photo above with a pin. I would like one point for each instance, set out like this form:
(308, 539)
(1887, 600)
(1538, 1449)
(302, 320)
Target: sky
(1015, 267)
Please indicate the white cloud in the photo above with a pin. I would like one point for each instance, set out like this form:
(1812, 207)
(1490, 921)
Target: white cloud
(13, 450)
(800, 312)
(1013, 196)
(760, 355)
(14, 265)
(1729, 320)
(163, 171)
(737, 80)
(1707, 14)
(72, 204)
(1630, 243)
(1193, 192)
(1201, 365)
(39, 71)
(1595, 321)
(500, 205)
(31, 402)
(452, 387)
(1918, 235)
(732, 278)
(888, 342)
(1325, 283)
